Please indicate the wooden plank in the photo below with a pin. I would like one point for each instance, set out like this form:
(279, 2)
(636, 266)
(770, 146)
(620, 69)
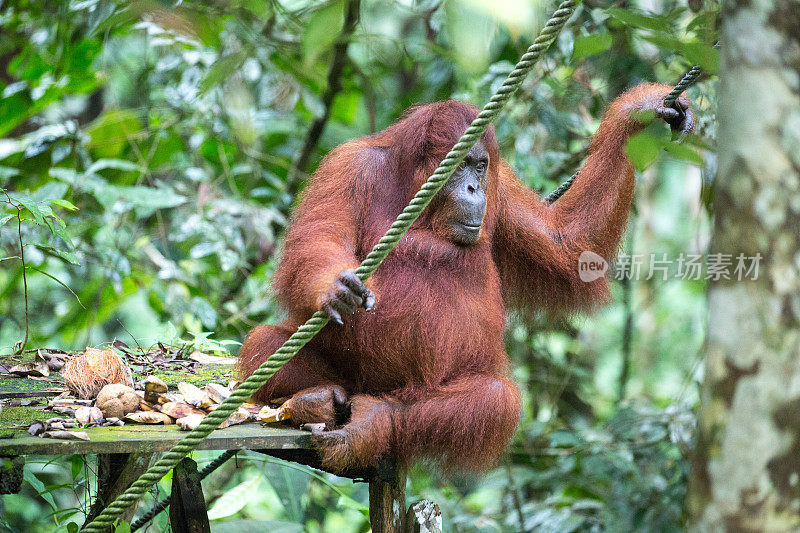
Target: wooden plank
(155, 438)
(187, 512)
(16, 387)
(12, 386)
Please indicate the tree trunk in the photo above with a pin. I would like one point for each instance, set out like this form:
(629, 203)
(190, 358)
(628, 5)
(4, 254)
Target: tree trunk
(746, 473)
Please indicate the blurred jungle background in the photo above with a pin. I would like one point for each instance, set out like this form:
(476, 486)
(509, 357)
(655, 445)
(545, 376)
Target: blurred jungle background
(154, 150)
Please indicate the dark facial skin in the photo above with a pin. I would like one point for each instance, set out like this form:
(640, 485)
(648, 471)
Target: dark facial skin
(464, 199)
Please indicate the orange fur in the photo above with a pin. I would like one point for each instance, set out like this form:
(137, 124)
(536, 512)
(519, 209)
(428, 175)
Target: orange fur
(426, 369)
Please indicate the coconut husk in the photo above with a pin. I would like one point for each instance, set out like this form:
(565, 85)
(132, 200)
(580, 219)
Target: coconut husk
(86, 373)
(237, 417)
(194, 395)
(149, 417)
(179, 410)
(189, 422)
(153, 386)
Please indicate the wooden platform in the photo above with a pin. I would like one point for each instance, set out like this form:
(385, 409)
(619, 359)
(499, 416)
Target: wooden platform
(140, 438)
(120, 451)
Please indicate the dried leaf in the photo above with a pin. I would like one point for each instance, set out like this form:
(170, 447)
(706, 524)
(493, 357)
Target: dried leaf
(193, 395)
(18, 402)
(36, 427)
(68, 403)
(169, 397)
(251, 407)
(155, 382)
(121, 346)
(216, 392)
(55, 361)
(36, 368)
(69, 411)
(179, 410)
(152, 388)
(67, 435)
(237, 417)
(146, 406)
(205, 359)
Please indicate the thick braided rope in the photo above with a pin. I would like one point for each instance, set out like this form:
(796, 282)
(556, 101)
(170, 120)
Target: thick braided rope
(688, 79)
(163, 504)
(559, 192)
(318, 320)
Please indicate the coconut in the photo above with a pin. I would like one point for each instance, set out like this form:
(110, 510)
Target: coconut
(269, 415)
(86, 373)
(116, 400)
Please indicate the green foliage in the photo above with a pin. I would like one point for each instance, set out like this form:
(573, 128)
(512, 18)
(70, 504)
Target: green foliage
(591, 45)
(145, 149)
(322, 30)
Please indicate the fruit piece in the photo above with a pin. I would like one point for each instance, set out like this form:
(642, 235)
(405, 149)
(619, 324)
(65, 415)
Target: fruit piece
(117, 400)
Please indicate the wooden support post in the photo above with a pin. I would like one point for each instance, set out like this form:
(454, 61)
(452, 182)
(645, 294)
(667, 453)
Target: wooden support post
(115, 473)
(387, 499)
(187, 512)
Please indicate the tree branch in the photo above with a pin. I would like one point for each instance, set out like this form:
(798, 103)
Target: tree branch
(334, 86)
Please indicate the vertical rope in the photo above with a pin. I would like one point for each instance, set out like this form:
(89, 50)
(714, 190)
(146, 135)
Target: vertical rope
(318, 320)
(688, 79)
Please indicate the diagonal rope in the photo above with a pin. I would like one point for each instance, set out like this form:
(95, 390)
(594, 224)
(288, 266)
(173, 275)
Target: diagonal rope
(163, 504)
(318, 320)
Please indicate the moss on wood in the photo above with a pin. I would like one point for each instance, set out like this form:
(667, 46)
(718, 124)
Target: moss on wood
(17, 415)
